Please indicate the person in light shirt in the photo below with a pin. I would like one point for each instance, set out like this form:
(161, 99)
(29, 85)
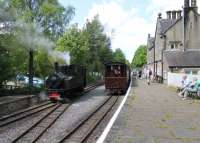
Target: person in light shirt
(185, 82)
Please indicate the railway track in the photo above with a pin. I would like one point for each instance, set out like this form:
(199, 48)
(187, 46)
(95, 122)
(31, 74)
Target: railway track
(33, 133)
(11, 118)
(82, 131)
(92, 86)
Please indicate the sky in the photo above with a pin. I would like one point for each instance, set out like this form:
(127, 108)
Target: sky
(126, 22)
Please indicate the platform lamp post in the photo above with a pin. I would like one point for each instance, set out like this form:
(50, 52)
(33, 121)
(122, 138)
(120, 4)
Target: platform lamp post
(30, 68)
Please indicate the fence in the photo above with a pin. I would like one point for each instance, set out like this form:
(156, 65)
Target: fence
(174, 79)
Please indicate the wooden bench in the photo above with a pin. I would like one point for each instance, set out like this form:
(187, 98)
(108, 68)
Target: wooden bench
(194, 94)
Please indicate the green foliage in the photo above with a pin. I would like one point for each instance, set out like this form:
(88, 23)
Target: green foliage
(43, 63)
(140, 57)
(32, 22)
(119, 56)
(26, 20)
(99, 45)
(48, 14)
(75, 42)
(87, 46)
(12, 57)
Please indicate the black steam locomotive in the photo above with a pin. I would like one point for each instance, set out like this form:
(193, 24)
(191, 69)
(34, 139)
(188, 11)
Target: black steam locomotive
(65, 80)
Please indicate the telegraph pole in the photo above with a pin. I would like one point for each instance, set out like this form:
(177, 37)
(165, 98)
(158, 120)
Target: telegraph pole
(30, 68)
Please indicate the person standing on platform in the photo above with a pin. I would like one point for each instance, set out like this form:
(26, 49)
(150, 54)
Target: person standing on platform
(148, 76)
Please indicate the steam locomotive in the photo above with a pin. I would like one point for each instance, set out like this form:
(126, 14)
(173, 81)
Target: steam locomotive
(65, 80)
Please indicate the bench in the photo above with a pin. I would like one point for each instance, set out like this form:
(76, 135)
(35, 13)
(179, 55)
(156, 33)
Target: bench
(194, 94)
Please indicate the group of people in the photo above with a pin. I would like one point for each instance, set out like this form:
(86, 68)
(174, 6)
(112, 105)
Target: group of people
(188, 86)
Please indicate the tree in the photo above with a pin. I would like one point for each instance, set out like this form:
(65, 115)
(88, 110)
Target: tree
(43, 63)
(29, 25)
(140, 57)
(75, 42)
(119, 56)
(100, 51)
(48, 14)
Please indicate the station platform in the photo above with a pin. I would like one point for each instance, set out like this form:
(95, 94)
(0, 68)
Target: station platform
(155, 114)
(10, 104)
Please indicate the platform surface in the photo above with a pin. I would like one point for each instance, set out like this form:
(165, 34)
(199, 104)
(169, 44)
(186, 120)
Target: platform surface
(155, 114)
(8, 99)
(10, 104)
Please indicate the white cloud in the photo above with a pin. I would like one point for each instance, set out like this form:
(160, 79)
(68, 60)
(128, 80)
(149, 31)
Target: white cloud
(130, 28)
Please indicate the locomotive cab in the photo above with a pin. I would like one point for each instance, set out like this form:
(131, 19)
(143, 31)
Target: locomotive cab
(65, 80)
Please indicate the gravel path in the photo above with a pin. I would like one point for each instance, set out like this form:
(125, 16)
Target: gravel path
(85, 105)
(155, 114)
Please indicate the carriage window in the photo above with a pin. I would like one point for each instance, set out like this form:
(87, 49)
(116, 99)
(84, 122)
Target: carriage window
(111, 68)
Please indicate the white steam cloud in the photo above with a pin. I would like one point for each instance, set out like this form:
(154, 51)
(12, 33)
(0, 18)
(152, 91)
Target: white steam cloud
(31, 36)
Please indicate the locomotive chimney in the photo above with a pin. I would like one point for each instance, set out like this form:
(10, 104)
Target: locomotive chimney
(56, 66)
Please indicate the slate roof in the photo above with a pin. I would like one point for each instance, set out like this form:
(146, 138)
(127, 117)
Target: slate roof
(183, 59)
(165, 24)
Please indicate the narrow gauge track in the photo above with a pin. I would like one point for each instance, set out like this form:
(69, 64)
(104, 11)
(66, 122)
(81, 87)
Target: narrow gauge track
(82, 131)
(92, 86)
(11, 118)
(32, 134)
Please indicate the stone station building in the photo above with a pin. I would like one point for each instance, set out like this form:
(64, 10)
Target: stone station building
(176, 44)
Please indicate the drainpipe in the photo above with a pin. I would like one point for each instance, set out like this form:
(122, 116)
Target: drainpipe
(185, 12)
(162, 57)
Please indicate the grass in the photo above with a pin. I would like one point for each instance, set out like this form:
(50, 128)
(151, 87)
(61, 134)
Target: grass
(192, 129)
(161, 125)
(168, 116)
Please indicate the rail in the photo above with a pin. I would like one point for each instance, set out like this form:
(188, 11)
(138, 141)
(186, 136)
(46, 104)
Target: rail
(84, 129)
(8, 119)
(44, 124)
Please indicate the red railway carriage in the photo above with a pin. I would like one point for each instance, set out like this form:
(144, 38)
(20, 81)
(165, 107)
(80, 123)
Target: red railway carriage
(117, 77)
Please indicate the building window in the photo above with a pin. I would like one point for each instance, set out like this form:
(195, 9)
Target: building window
(174, 45)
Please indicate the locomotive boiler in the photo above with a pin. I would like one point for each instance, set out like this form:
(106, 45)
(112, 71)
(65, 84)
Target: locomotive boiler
(65, 80)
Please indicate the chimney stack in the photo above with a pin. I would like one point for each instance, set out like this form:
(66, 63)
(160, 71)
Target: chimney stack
(173, 14)
(149, 35)
(159, 15)
(193, 3)
(186, 3)
(179, 14)
(169, 14)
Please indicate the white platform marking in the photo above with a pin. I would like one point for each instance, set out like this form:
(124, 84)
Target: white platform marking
(112, 120)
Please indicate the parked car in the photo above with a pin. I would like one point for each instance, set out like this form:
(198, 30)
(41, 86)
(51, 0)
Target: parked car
(24, 81)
